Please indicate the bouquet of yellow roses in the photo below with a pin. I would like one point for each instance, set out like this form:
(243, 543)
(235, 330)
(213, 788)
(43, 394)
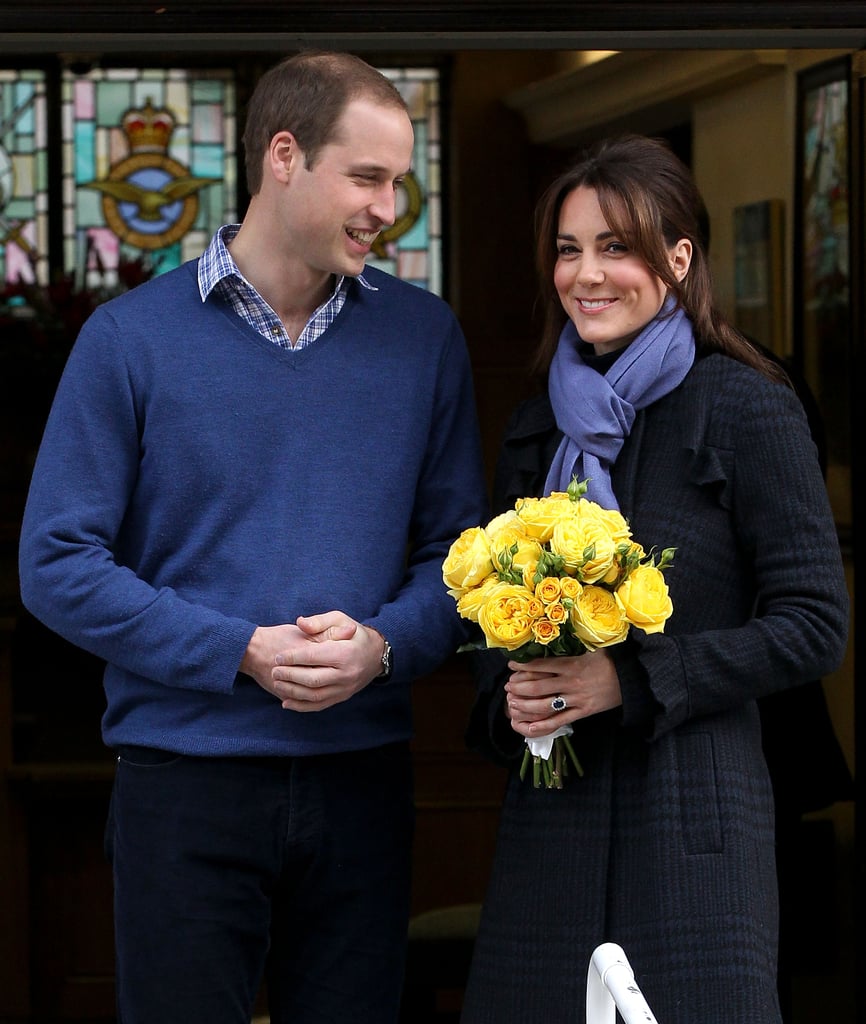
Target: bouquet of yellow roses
(558, 575)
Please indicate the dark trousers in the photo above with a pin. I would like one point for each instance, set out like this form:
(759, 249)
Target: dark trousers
(233, 870)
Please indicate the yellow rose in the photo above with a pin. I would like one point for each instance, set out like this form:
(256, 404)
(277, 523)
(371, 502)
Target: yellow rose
(506, 521)
(597, 619)
(529, 567)
(548, 590)
(540, 515)
(569, 587)
(505, 617)
(612, 574)
(524, 559)
(644, 599)
(556, 612)
(571, 538)
(503, 533)
(468, 561)
(614, 521)
(470, 601)
(544, 631)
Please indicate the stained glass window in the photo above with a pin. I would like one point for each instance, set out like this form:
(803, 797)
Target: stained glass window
(23, 177)
(412, 248)
(149, 166)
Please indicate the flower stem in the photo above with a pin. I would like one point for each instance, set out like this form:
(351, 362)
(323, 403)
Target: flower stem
(550, 772)
(573, 757)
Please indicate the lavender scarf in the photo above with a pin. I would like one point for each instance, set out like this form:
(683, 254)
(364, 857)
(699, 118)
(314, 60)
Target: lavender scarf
(596, 412)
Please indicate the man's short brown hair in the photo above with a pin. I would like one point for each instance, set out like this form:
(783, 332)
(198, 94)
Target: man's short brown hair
(306, 95)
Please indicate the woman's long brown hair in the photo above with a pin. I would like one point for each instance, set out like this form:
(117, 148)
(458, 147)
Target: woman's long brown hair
(650, 201)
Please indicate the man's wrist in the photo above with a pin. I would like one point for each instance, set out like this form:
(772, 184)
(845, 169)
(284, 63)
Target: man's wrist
(386, 661)
(249, 660)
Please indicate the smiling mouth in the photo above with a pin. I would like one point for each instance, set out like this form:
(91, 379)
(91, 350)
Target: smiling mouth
(362, 237)
(591, 304)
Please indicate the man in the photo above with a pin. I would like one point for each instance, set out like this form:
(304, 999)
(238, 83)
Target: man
(252, 471)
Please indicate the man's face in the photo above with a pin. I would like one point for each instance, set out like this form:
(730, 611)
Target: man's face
(336, 208)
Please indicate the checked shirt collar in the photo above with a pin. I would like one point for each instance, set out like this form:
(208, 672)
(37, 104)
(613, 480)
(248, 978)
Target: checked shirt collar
(217, 271)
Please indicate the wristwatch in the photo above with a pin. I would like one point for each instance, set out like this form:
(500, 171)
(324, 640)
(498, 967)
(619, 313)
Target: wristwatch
(387, 662)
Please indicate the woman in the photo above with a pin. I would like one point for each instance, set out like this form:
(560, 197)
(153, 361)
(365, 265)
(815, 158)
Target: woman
(665, 845)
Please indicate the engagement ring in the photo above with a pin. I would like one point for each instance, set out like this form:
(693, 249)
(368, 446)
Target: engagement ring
(559, 703)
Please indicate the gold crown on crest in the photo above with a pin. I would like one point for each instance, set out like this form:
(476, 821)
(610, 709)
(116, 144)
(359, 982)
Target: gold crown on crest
(148, 129)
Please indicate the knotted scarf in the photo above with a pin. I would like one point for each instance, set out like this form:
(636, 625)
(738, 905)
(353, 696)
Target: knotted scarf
(596, 411)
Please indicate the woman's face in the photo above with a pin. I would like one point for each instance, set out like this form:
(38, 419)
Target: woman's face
(607, 290)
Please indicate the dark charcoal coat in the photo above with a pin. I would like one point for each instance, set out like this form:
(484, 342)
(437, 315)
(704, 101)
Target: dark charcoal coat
(665, 846)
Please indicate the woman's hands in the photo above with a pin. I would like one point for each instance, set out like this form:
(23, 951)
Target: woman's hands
(588, 684)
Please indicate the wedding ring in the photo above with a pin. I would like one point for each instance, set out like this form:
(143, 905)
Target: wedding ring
(559, 703)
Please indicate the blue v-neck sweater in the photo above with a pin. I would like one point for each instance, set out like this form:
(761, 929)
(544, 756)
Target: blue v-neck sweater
(195, 481)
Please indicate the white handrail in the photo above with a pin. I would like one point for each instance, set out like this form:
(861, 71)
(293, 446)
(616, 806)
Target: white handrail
(610, 986)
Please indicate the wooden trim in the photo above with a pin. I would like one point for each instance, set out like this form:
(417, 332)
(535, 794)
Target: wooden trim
(556, 110)
(281, 25)
(428, 15)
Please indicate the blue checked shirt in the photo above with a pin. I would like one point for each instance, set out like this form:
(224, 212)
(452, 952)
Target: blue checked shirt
(218, 272)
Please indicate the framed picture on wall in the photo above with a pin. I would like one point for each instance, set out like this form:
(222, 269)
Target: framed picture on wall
(822, 265)
(759, 259)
